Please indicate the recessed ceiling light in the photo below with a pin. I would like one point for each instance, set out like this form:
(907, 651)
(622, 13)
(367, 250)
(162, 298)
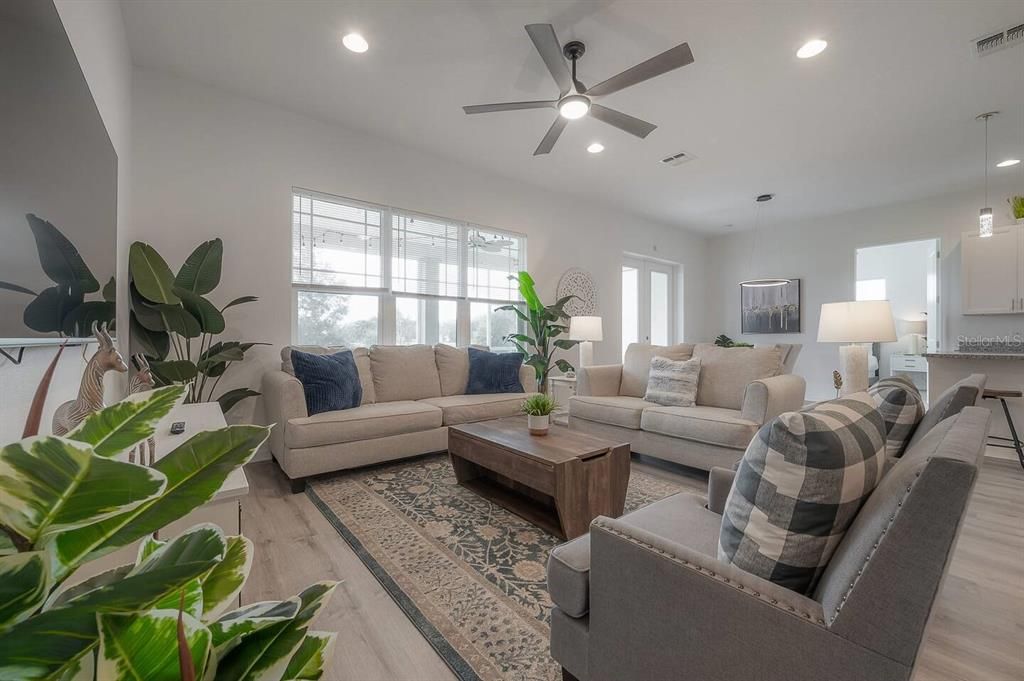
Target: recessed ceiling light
(595, 148)
(812, 48)
(355, 42)
(574, 106)
(1008, 162)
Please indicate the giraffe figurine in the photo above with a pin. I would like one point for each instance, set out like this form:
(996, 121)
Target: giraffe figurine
(90, 394)
(142, 381)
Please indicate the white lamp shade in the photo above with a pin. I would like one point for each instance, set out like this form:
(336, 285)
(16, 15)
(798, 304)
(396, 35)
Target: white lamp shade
(862, 321)
(918, 326)
(585, 329)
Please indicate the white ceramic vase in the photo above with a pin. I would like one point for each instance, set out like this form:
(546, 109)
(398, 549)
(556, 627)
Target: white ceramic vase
(1020, 221)
(538, 425)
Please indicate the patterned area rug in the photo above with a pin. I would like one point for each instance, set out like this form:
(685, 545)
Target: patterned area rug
(469, 574)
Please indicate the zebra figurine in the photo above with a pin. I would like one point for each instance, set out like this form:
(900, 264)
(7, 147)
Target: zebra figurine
(142, 381)
(90, 394)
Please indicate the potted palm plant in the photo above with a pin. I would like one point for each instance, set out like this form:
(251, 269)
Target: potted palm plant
(538, 410)
(1017, 206)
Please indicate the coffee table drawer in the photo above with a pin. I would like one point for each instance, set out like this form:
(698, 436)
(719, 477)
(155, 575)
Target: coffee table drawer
(530, 472)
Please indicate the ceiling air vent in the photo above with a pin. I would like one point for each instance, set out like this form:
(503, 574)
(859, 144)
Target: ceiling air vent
(993, 42)
(677, 159)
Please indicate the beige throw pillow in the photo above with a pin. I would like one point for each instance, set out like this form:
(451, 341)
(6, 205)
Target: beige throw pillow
(673, 383)
(404, 372)
(453, 367)
(637, 364)
(725, 373)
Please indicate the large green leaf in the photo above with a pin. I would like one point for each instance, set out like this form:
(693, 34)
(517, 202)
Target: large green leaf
(59, 599)
(145, 647)
(202, 310)
(307, 664)
(566, 344)
(6, 545)
(59, 258)
(48, 644)
(155, 345)
(192, 603)
(148, 313)
(109, 292)
(46, 313)
(215, 359)
(174, 370)
(241, 300)
(233, 627)
(151, 275)
(200, 273)
(49, 485)
(6, 285)
(78, 322)
(24, 584)
(178, 320)
(195, 471)
(233, 397)
(224, 582)
(121, 426)
(266, 654)
(528, 292)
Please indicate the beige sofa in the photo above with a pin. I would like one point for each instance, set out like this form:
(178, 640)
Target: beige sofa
(740, 389)
(411, 394)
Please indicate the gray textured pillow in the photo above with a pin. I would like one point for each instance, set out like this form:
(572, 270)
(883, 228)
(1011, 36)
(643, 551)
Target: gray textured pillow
(799, 487)
(902, 408)
(673, 383)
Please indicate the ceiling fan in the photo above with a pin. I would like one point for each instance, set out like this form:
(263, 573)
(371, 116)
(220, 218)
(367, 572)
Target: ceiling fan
(576, 100)
(489, 245)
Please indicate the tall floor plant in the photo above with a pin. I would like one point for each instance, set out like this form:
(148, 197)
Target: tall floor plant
(65, 501)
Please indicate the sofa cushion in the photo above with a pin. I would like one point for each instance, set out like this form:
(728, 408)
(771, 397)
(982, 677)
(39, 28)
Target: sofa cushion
(964, 393)
(902, 408)
(329, 382)
(616, 410)
(491, 373)
(404, 372)
(711, 425)
(799, 487)
(637, 364)
(362, 357)
(725, 373)
(469, 408)
(680, 518)
(362, 423)
(673, 383)
(453, 367)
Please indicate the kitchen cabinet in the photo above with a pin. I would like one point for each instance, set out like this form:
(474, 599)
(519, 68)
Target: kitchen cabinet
(992, 272)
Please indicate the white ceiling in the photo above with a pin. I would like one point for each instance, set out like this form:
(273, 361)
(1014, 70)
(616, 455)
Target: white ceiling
(885, 114)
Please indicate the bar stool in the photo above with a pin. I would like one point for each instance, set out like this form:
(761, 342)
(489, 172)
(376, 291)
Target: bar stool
(1001, 395)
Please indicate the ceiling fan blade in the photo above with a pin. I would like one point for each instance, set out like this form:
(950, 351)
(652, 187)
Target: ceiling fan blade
(678, 56)
(546, 42)
(551, 137)
(630, 124)
(509, 106)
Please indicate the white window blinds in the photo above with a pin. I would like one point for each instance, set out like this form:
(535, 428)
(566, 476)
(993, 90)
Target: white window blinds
(426, 255)
(493, 257)
(335, 242)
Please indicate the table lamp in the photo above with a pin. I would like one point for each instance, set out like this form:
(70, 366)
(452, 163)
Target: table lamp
(917, 329)
(586, 330)
(862, 321)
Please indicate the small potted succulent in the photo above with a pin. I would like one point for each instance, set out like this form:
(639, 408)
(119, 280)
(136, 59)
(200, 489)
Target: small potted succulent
(538, 409)
(1017, 208)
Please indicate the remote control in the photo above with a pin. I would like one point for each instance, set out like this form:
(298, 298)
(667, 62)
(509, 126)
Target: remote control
(177, 428)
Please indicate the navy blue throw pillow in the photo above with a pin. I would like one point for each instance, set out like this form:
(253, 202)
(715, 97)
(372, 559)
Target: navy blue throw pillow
(492, 372)
(329, 382)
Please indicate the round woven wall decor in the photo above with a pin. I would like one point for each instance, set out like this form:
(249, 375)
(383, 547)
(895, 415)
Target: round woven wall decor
(579, 283)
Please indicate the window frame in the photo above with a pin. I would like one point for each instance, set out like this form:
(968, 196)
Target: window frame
(387, 312)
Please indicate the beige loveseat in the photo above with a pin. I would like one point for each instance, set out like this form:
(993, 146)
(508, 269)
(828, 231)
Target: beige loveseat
(740, 389)
(411, 394)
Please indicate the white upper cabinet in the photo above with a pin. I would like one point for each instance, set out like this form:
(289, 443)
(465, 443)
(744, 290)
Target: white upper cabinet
(992, 272)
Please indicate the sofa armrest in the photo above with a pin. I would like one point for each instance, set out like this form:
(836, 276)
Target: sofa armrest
(284, 399)
(599, 380)
(719, 484)
(528, 377)
(766, 398)
(661, 610)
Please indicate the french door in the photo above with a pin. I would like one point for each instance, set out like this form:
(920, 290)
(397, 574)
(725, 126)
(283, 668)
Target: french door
(648, 302)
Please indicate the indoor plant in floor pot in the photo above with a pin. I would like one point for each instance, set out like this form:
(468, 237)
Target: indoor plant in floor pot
(1017, 208)
(538, 409)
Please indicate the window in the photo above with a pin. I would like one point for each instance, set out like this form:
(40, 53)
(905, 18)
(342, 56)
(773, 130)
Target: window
(871, 289)
(364, 274)
(648, 301)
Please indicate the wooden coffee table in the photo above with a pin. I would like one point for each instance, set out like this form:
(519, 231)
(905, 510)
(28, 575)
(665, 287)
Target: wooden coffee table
(560, 481)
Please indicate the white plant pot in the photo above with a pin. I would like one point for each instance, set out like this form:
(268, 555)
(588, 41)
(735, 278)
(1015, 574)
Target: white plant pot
(1020, 221)
(538, 425)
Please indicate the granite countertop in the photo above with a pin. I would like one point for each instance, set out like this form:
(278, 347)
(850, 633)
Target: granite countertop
(976, 355)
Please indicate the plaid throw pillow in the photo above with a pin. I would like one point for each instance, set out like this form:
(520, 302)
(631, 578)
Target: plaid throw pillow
(673, 383)
(902, 408)
(799, 486)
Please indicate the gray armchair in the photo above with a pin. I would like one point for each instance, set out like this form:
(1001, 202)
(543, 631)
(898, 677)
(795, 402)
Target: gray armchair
(644, 596)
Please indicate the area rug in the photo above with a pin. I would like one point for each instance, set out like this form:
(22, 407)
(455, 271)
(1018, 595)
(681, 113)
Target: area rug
(469, 574)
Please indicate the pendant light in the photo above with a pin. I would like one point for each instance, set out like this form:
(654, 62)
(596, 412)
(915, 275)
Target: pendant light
(985, 216)
(760, 283)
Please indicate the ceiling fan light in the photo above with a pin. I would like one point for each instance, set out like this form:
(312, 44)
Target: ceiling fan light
(355, 43)
(1008, 162)
(812, 48)
(595, 148)
(574, 106)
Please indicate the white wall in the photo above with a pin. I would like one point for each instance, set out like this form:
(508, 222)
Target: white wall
(96, 31)
(208, 164)
(822, 252)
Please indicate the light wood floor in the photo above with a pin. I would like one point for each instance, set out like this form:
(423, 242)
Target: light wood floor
(977, 633)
